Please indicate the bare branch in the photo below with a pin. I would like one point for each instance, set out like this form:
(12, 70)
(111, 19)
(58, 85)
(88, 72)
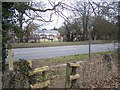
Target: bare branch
(93, 8)
(42, 19)
(40, 10)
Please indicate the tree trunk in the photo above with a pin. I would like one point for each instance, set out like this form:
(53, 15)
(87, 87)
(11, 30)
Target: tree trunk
(27, 38)
(83, 35)
(95, 37)
(68, 37)
(21, 39)
(21, 23)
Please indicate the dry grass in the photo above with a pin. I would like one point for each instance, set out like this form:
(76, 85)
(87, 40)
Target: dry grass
(96, 74)
(93, 74)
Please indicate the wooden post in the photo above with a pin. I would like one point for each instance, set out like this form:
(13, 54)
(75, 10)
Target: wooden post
(10, 62)
(71, 76)
(45, 78)
(68, 72)
(74, 81)
(44, 75)
(30, 63)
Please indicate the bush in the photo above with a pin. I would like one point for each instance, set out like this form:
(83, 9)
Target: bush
(19, 78)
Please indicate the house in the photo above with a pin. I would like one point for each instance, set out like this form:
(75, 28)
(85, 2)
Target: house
(47, 35)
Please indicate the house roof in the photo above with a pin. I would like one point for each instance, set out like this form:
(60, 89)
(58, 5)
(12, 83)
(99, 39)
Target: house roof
(46, 32)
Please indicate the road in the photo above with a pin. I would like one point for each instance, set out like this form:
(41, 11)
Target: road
(56, 51)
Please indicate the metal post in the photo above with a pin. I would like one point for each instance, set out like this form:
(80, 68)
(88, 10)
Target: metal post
(90, 29)
(89, 43)
(43, 34)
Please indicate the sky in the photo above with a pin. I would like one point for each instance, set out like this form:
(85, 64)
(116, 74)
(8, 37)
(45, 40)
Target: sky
(58, 21)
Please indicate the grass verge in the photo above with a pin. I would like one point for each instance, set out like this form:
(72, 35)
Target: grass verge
(65, 59)
(48, 44)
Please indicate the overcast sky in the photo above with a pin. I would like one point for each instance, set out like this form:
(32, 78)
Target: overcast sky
(58, 21)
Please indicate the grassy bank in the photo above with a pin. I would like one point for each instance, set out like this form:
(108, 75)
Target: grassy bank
(65, 59)
(47, 44)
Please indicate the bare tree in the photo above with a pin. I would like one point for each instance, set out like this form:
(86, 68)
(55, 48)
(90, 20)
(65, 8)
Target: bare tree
(27, 12)
(103, 14)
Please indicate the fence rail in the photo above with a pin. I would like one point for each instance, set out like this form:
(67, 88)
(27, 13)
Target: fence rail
(39, 69)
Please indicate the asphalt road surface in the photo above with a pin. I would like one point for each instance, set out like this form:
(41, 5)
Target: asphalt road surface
(56, 51)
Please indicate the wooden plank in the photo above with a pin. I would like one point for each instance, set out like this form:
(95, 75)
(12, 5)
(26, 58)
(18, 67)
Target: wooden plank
(73, 77)
(74, 64)
(10, 61)
(41, 84)
(40, 69)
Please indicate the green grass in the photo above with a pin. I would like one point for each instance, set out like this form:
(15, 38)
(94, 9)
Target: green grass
(60, 72)
(47, 44)
(62, 59)
(66, 59)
